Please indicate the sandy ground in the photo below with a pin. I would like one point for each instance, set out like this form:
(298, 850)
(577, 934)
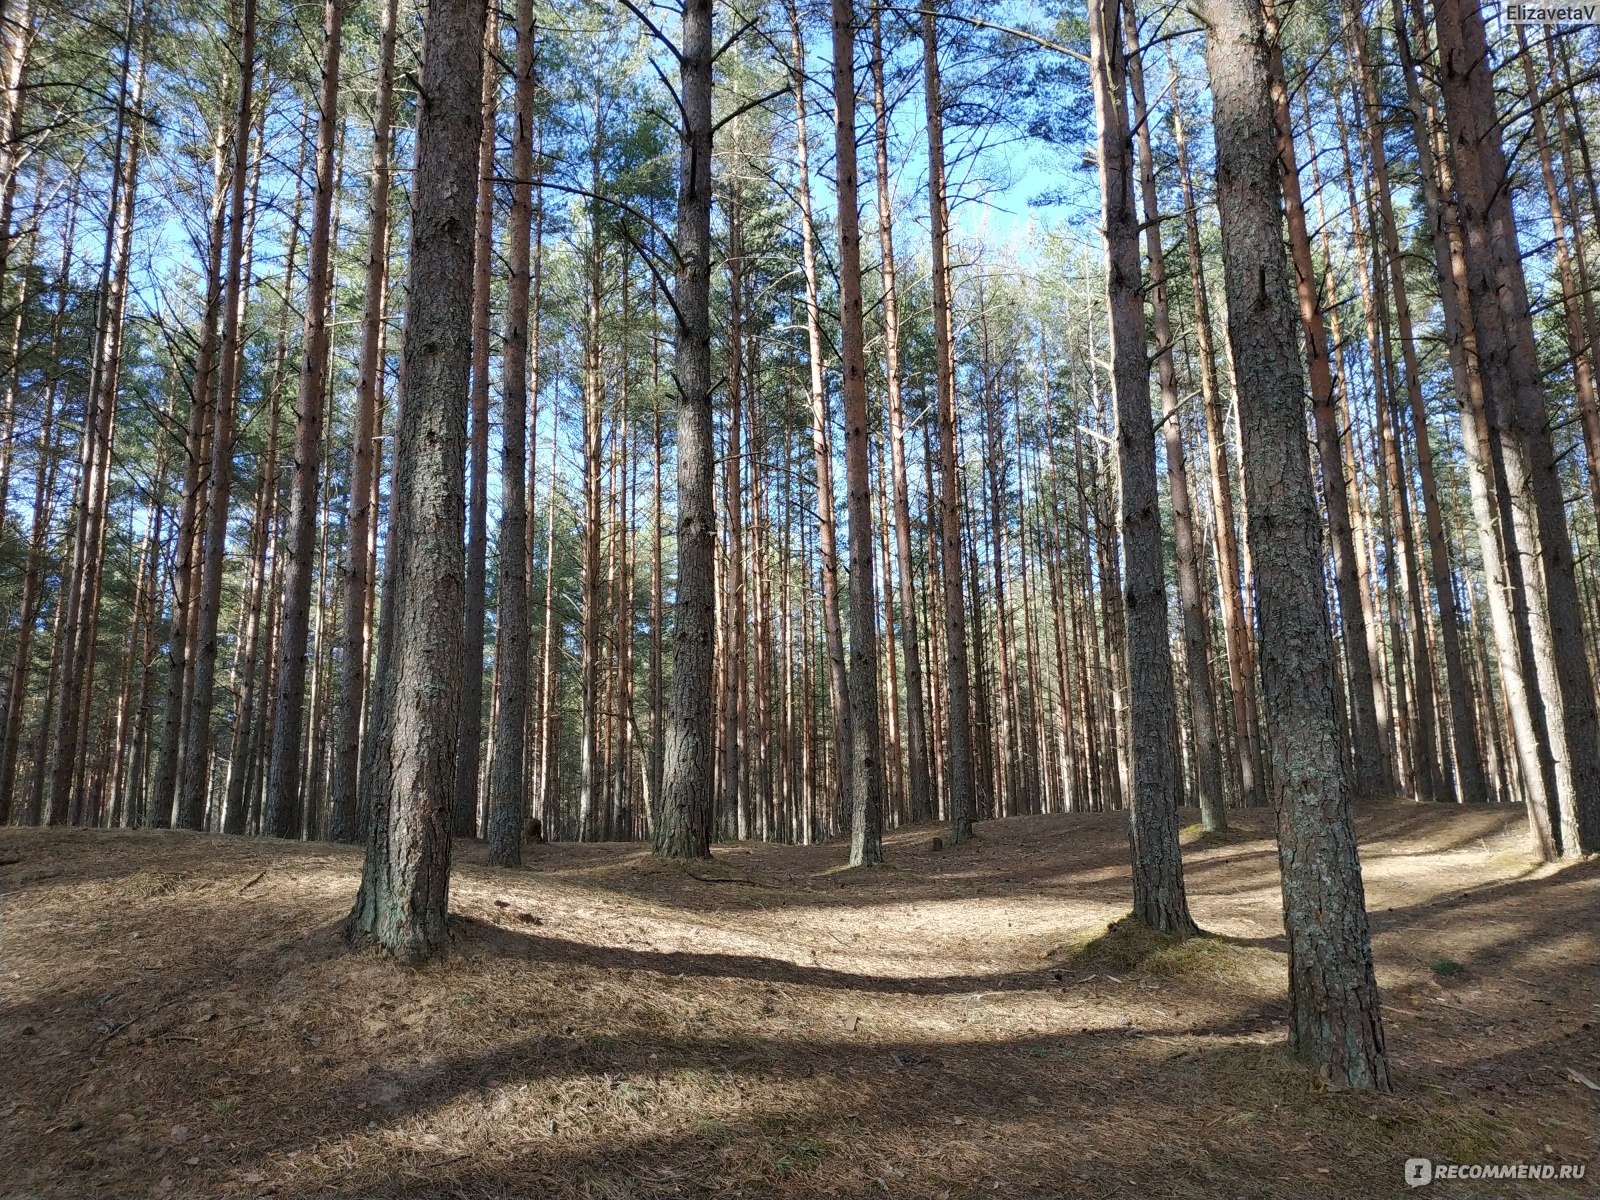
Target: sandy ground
(182, 1018)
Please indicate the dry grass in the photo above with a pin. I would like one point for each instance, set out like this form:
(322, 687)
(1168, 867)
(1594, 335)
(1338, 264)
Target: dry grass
(181, 1018)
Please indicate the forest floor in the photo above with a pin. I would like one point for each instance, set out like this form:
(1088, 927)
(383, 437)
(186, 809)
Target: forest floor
(181, 1018)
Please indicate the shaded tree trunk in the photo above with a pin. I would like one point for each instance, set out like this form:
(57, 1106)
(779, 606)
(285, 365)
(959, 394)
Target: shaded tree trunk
(409, 790)
(1334, 1018)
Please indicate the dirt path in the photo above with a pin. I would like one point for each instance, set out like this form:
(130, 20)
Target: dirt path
(181, 1019)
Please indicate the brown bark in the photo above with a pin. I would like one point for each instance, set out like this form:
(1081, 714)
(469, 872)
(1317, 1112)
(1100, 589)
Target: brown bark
(282, 806)
(866, 754)
(684, 830)
(410, 789)
(507, 794)
(958, 776)
(195, 773)
(344, 825)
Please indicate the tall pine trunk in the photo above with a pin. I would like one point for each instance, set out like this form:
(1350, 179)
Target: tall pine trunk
(409, 791)
(1159, 901)
(1334, 1019)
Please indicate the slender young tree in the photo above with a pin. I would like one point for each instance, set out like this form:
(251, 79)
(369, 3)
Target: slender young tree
(194, 778)
(1159, 900)
(282, 810)
(507, 771)
(1196, 640)
(356, 637)
(470, 736)
(957, 685)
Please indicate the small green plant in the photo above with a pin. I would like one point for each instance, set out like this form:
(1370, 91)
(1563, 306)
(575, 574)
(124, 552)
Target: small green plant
(1446, 967)
(805, 1153)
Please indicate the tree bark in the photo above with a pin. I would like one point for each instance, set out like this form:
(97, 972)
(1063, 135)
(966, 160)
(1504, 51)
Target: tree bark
(866, 754)
(1334, 1018)
(410, 789)
(962, 807)
(281, 815)
(195, 774)
(684, 830)
(507, 791)
(1159, 901)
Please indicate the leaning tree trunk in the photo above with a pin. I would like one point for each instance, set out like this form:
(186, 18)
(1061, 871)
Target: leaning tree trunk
(1334, 1018)
(1158, 893)
(684, 830)
(410, 789)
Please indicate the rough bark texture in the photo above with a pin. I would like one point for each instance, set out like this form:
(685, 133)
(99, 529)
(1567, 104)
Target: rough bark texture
(866, 755)
(1334, 1019)
(684, 829)
(1158, 893)
(1517, 420)
(1196, 640)
(410, 786)
(1367, 747)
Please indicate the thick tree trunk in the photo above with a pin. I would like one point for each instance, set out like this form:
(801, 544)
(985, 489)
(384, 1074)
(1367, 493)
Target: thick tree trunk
(1334, 1019)
(684, 830)
(410, 788)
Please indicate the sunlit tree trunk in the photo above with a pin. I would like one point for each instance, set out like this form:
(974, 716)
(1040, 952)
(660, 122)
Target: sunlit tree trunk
(1334, 1018)
(1158, 892)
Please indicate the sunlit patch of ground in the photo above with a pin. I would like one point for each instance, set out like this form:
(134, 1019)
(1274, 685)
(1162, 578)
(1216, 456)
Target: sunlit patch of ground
(181, 1018)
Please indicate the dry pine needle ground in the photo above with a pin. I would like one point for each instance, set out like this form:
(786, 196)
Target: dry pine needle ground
(181, 1019)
